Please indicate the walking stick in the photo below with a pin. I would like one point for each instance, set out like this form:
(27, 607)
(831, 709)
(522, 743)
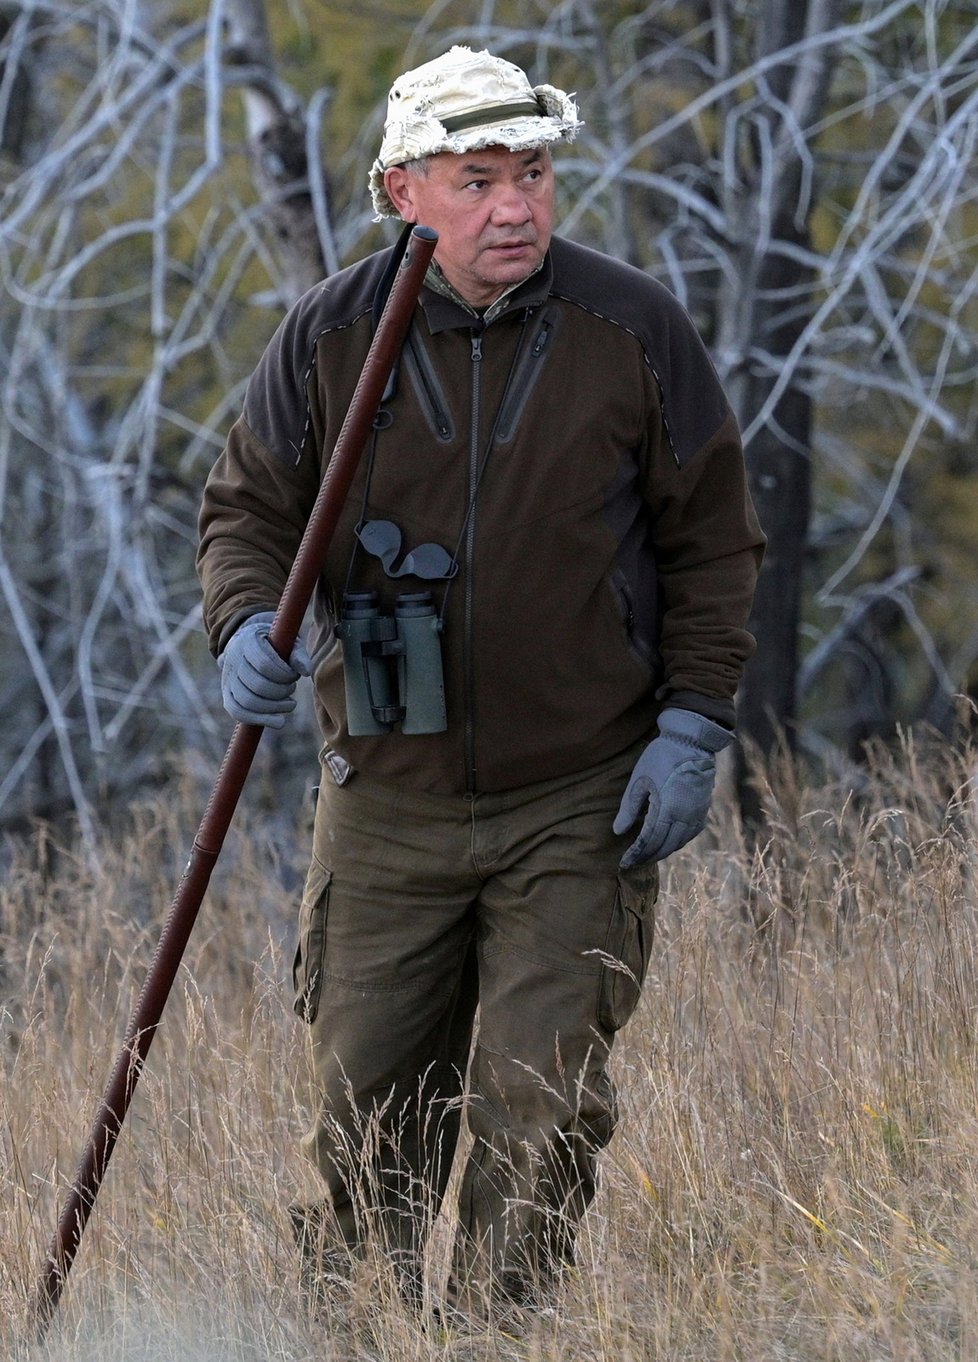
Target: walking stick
(231, 777)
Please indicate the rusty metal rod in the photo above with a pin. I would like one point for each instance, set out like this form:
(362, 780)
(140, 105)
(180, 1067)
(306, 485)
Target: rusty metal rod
(231, 777)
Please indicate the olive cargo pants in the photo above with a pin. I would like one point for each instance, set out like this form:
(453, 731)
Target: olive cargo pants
(417, 909)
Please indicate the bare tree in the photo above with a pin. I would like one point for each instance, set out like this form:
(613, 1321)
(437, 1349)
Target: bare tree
(284, 145)
(802, 173)
(126, 274)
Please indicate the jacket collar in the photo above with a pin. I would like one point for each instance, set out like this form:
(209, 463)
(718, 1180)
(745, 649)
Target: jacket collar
(445, 309)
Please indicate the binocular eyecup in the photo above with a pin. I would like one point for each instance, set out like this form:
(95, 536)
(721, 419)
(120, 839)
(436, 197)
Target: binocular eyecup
(392, 666)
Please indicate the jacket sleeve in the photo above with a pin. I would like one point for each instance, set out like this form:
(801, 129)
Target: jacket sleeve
(706, 537)
(261, 491)
(252, 518)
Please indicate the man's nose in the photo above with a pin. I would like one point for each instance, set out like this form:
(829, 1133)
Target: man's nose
(511, 206)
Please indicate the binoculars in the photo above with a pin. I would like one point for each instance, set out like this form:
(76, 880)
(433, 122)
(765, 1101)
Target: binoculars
(392, 666)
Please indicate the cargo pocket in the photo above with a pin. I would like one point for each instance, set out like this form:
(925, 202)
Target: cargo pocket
(307, 967)
(628, 946)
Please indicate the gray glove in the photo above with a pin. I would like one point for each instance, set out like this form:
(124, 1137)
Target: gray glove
(672, 783)
(257, 684)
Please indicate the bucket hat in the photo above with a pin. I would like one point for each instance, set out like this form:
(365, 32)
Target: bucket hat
(461, 101)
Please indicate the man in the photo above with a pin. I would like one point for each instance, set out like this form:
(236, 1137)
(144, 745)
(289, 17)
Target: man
(556, 465)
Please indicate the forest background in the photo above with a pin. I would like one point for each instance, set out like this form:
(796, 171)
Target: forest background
(803, 175)
(795, 1175)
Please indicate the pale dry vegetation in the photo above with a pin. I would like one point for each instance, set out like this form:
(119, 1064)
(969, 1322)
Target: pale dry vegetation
(795, 1175)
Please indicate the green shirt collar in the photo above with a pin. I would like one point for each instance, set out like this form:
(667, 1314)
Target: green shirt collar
(436, 281)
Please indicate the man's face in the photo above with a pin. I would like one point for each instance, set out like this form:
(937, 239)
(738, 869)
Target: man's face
(493, 211)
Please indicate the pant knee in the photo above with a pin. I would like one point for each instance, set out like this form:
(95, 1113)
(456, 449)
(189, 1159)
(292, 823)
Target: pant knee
(512, 1103)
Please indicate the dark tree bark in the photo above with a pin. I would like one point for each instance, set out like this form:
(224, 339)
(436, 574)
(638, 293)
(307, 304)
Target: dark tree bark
(779, 466)
(765, 304)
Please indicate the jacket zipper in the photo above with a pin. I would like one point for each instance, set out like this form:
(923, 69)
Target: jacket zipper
(633, 637)
(470, 772)
(429, 388)
(627, 608)
(524, 382)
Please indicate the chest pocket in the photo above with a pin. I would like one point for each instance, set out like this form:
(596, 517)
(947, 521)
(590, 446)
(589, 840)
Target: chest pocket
(526, 372)
(428, 387)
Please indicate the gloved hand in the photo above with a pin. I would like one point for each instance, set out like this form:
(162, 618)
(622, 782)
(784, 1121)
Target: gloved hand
(257, 684)
(672, 783)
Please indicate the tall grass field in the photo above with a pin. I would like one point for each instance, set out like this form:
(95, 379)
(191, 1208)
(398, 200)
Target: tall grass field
(795, 1173)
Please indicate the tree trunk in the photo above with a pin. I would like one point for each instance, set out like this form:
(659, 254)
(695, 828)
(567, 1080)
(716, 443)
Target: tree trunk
(765, 304)
(279, 157)
(779, 467)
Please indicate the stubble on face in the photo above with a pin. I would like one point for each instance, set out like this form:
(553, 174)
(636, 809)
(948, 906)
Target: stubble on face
(492, 209)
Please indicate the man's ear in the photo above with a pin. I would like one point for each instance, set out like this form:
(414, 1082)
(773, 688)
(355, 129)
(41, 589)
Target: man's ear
(399, 186)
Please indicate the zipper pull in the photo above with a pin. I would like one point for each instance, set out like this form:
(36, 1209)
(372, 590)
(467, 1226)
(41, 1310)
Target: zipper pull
(476, 346)
(540, 343)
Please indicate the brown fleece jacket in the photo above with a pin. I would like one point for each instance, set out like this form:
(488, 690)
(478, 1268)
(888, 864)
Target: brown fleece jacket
(573, 450)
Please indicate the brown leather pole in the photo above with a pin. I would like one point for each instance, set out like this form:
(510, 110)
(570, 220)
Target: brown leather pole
(231, 777)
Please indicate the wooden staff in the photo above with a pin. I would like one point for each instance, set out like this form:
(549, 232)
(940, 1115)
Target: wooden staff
(384, 349)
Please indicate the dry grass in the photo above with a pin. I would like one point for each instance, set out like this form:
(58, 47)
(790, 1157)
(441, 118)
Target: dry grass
(795, 1175)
